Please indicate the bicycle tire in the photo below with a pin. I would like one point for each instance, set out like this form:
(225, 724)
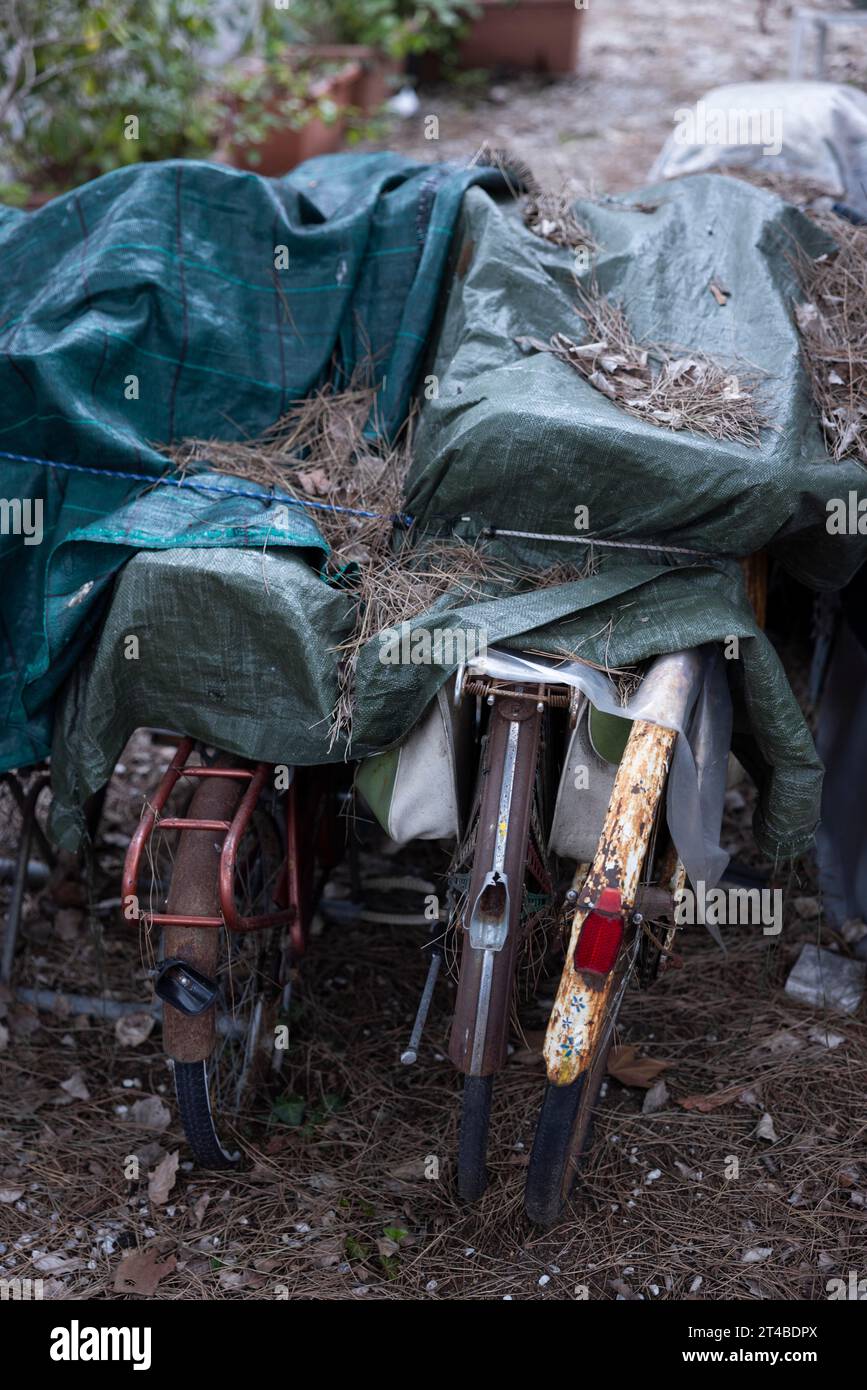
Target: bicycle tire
(192, 1091)
(564, 1134)
(473, 1137)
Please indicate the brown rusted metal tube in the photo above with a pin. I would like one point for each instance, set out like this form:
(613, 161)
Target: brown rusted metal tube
(195, 892)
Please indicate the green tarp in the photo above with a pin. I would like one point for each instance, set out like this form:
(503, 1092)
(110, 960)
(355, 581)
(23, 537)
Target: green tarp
(518, 441)
(182, 299)
(237, 648)
(236, 645)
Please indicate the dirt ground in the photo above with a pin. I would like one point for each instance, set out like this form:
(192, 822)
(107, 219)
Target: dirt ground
(350, 1192)
(641, 60)
(756, 1193)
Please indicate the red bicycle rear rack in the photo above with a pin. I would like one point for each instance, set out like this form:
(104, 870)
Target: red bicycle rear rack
(234, 832)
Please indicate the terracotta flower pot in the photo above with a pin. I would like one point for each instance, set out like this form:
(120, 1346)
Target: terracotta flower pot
(378, 78)
(527, 35)
(285, 145)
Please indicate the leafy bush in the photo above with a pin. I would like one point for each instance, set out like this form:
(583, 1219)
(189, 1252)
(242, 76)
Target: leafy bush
(72, 71)
(397, 27)
(264, 95)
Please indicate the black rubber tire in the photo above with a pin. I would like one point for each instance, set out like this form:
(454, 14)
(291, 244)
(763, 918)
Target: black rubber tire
(552, 1171)
(194, 1106)
(473, 1140)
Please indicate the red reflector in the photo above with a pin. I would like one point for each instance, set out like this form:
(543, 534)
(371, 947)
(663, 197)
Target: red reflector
(601, 935)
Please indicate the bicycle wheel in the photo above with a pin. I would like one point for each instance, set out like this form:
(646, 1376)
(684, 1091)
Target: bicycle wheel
(563, 1135)
(497, 909)
(220, 1061)
(600, 960)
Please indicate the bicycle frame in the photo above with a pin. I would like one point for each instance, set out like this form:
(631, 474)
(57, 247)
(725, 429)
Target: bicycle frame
(294, 890)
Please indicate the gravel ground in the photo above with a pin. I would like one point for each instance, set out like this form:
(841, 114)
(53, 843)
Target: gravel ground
(641, 60)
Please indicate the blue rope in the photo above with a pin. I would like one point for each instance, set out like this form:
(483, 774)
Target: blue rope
(204, 487)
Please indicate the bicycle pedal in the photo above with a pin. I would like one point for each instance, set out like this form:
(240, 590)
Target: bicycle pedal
(185, 988)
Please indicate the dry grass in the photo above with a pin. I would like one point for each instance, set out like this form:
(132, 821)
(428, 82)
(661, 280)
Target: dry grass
(548, 213)
(551, 215)
(409, 582)
(793, 188)
(833, 326)
(402, 585)
(663, 386)
(517, 174)
(318, 454)
(833, 319)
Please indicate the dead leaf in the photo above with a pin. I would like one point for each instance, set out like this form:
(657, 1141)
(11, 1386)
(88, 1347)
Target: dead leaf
(4, 1036)
(76, 1086)
(56, 1264)
(715, 1101)
(162, 1179)
(322, 1182)
(200, 1207)
(656, 1099)
(623, 1290)
(24, 1022)
(680, 365)
(314, 481)
(11, 1194)
(806, 315)
(612, 361)
(534, 1039)
(759, 1252)
(601, 382)
(525, 1057)
(532, 345)
(749, 1097)
(720, 295)
(778, 1044)
(563, 344)
(131, 1030)
(150, 1113)
(329, 1252)
(629, 1069)
(412, 1168)
(765, 1129)
(140, 1273)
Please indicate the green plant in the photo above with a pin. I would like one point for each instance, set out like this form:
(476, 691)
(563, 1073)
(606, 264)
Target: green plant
(297, 1113)
(272, 94)
(397, 27)
(389, 1249)
(88, 86)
